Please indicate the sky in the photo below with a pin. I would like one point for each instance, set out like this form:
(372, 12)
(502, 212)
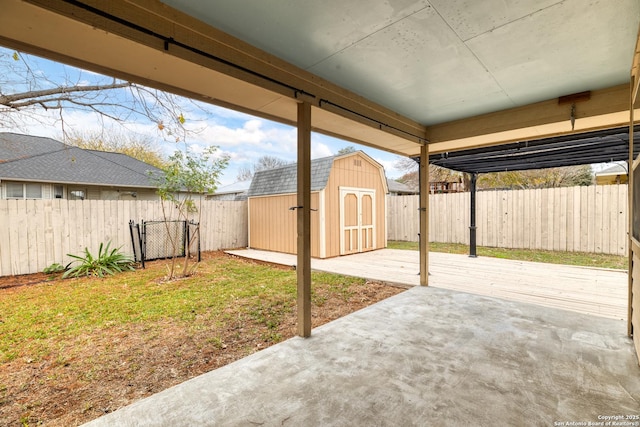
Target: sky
(242, 137)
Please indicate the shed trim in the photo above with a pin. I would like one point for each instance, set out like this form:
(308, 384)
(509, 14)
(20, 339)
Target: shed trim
(322, 224)
(371, 160)
(358, 193)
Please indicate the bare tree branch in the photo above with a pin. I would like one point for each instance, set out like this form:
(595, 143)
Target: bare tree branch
(38, 96)
(263, 163)
(30, 88)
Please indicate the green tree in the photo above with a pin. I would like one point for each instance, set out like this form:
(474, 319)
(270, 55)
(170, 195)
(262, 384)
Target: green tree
(566, 176)
(436, 173)
(346, 150)
(188, 175)
(139, 147)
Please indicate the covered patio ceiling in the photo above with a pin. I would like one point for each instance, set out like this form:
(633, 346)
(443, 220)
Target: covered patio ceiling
(393, 75)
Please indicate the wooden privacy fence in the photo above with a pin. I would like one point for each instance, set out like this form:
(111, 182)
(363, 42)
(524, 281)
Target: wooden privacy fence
(575, 219)
(37, 233)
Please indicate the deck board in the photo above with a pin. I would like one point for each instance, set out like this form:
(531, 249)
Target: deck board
(599, 292)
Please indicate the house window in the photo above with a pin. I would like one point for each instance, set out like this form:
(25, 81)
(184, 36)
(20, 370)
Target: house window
(16, 190)
(77, 195)
(58, 192)
(33, 191)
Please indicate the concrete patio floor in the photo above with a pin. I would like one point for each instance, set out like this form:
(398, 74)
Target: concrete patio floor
(427, 356)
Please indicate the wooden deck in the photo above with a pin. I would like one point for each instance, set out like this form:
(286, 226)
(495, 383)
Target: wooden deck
(594, 291)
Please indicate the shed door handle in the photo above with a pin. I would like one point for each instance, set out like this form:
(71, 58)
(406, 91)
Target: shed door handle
(293, 208)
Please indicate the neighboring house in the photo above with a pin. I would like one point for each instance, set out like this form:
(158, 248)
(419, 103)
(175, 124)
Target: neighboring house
(399, 189)
(348, 202)
(614, 174)
(236, 191)
(451, 186)
(34, 167)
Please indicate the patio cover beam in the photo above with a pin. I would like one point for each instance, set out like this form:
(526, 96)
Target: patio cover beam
(567, 150)
(604, 108)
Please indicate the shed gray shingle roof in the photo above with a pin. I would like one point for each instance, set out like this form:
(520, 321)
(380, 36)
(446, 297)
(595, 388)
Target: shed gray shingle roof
(31, 158)
(284, 180)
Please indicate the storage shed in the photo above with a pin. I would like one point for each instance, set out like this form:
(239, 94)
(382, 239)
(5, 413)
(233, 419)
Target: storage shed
(348, 202)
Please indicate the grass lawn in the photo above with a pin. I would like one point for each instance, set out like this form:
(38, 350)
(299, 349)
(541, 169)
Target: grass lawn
(569, 258)
(72, 350)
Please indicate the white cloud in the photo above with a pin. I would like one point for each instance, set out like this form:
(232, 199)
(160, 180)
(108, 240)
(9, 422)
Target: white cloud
(319, 150)
(389, 167)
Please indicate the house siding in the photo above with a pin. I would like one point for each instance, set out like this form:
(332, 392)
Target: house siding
(91, 192)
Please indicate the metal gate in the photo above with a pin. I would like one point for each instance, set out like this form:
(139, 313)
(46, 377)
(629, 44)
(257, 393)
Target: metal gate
(153, 240)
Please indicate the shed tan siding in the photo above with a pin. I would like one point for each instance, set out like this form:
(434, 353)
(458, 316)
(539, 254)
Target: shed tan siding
(355, 172)
(272, 225)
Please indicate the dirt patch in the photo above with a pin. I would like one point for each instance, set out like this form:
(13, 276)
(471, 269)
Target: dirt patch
(100, 372)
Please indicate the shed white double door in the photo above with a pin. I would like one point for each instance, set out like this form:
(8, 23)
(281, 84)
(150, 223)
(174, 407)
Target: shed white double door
(357, 220)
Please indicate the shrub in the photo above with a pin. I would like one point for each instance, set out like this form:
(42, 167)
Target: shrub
(107, 262)
(55, 268)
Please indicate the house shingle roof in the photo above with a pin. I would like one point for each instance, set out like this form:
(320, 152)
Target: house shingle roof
(31, 158)
(615, 169)
(399, 187)
(14, 146)
(235, 188)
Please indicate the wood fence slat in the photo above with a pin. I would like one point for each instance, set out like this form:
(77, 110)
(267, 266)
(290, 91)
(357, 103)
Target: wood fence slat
(562, 222)
(492, 215)
(584, 219)
(623, 212)
(21, 264)
(606, 219)
(599, 219)
(544, 220)
(575, 210)
(552, 231)
(61, 223)
(5, 241)
(611, 236)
